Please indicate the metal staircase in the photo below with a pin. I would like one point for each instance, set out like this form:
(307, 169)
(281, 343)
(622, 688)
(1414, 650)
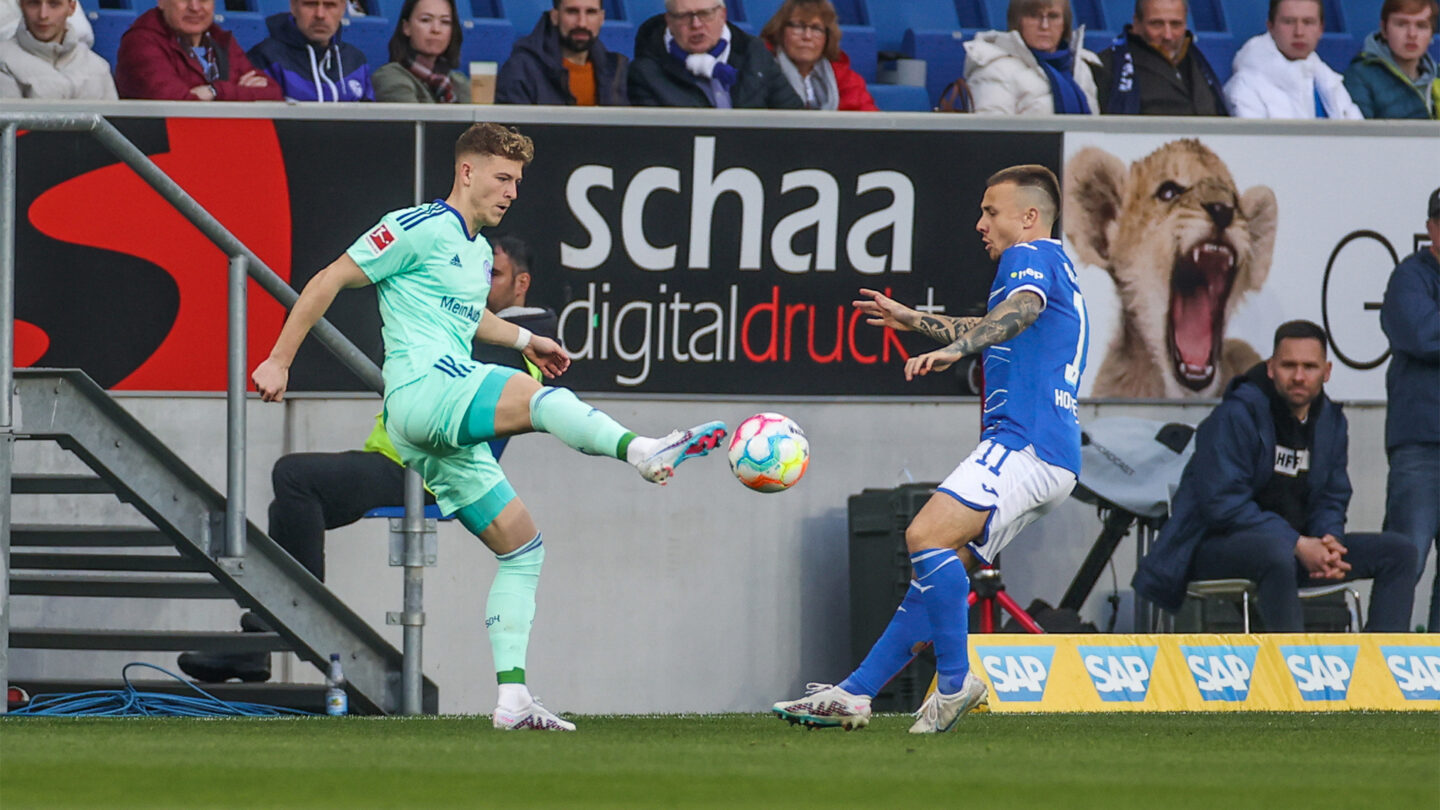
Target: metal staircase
(180, 556)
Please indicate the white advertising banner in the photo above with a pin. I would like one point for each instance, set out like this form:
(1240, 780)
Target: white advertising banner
(1191, 251)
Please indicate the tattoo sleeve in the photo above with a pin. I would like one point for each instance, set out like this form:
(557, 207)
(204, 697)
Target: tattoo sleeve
(1011, 317)
(943, 328)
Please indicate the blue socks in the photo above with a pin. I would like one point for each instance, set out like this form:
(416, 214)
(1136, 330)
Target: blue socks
(909, 627)
(944, 588)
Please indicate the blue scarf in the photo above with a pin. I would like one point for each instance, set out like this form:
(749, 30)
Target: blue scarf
(723, 72)
(1059, 68)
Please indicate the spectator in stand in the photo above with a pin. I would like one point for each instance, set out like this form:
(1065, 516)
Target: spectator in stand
(1279, 75)
(46, 58)
(1393, 76)
(1038, 67)
(563, 61)
(305, 57)
(1154, 68)
(424, 51)
(1410, 317)
(10, 17)
(804, 35)
(176, 52)
(691, 56)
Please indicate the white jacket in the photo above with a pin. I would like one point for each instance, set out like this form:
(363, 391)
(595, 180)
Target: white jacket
(1006, 79)
(10, 18)
(67, 69)
(1268, 85)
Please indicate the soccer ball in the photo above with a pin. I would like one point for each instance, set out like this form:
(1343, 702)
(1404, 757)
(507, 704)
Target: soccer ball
(769, 452)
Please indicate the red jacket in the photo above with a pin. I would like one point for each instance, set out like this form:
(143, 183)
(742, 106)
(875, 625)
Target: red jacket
(853, 93)
(153, 64)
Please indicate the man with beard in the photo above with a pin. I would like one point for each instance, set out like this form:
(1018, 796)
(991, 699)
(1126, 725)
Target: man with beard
(1264, 498)
(563, 62)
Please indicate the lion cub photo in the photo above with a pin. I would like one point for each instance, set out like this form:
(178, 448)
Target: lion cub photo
(1183, 246)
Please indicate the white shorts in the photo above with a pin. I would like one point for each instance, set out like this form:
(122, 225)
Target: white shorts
(1014, 486)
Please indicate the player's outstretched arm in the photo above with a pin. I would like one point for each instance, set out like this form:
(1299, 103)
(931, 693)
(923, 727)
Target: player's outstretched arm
(885, 311)
(1008, 319)
(273, 376)
(548, 355)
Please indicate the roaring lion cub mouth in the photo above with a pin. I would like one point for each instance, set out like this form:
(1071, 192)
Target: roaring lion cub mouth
(1200, 284)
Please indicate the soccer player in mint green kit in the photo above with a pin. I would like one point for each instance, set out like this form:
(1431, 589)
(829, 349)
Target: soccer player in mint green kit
(431, 270)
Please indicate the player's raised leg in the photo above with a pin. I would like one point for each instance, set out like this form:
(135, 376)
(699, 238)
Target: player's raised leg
(525, 405)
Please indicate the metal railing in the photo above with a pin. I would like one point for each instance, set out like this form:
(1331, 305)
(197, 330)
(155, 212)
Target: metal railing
(243, 264)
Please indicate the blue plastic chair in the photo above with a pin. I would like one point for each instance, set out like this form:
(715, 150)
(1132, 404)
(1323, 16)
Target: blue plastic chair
(922, 29)
(109, 25)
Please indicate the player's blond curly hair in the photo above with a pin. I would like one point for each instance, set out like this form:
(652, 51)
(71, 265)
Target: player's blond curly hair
(495, 139)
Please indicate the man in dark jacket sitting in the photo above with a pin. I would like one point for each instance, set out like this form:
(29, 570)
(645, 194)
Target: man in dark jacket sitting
(1154, 68)
(304, 54)
(690, 56)
(1264, 498)
(563, 61)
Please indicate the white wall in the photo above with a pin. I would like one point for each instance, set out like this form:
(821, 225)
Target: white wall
(698, 596)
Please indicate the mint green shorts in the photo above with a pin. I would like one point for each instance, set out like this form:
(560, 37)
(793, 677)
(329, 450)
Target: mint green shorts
(423, 419)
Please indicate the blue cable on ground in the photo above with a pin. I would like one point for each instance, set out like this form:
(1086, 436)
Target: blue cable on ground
(131, 702)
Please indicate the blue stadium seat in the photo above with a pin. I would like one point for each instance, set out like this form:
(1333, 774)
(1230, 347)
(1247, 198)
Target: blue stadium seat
(898, 98)
(109, 25)
(922, 29)
(247, 26)
(1362, 17)
(268, 7)
(523, 14)
(371, 34)
(1207, 16)
(1219, 48)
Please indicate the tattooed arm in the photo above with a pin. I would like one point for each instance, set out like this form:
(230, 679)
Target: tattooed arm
(885, 311)
(1011, 317)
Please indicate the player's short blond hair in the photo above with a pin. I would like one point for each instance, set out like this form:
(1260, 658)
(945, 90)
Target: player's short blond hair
(495, 139)
(1034, 179)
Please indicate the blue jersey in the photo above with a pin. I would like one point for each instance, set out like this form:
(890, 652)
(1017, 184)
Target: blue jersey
(1032, 379)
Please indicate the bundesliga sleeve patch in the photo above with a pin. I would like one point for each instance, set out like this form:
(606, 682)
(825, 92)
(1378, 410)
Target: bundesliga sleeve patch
(380, 239)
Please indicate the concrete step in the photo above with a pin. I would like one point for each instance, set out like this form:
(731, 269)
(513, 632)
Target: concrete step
(101, 562)
(41, 638)
(177, 587)
(26, 534)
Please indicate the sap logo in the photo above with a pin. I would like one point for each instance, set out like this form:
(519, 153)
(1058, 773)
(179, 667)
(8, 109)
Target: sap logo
(1221, 673)
(1321, 672)
(1017, 673)
(1416, 671)
(1119, 673)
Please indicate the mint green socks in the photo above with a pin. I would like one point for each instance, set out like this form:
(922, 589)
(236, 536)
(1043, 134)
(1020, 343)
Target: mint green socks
(560, 413)
(510, 610)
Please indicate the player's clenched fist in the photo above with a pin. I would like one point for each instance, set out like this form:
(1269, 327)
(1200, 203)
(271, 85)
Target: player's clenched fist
(270, 380)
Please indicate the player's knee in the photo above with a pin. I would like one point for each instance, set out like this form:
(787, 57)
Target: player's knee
(919, 537)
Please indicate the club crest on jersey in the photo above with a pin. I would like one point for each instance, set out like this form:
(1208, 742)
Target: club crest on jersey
(379, 239)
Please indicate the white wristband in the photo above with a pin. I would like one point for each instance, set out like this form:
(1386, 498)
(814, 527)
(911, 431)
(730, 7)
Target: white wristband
(523, 338)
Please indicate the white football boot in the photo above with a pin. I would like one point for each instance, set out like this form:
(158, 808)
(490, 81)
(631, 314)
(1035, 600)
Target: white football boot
(826, 706)
(531, 718)
(939, 712)
(678, 446)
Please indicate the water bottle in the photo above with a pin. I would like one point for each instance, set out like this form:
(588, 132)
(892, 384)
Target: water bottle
(337, 704)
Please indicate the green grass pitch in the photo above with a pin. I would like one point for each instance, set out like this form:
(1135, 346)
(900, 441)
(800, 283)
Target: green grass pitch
(1387, 761)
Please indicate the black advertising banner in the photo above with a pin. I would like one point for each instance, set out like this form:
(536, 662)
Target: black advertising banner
(725, 260)
(681, 260)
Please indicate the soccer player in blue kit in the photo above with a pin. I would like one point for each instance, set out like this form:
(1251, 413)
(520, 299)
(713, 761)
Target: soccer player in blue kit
(1034, 340)
(431, 269)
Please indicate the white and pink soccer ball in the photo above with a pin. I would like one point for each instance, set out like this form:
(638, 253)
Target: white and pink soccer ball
(769, 452)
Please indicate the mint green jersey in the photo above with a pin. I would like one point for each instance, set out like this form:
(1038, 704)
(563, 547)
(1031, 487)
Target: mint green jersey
(432, 278)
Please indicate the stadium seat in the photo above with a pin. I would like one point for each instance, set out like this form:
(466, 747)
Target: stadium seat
(901, 98)
(247, 26)
(922, 29)
(1099, 30)
(371, 34)
(1219, 48)
(109, 25)
(523, 14)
